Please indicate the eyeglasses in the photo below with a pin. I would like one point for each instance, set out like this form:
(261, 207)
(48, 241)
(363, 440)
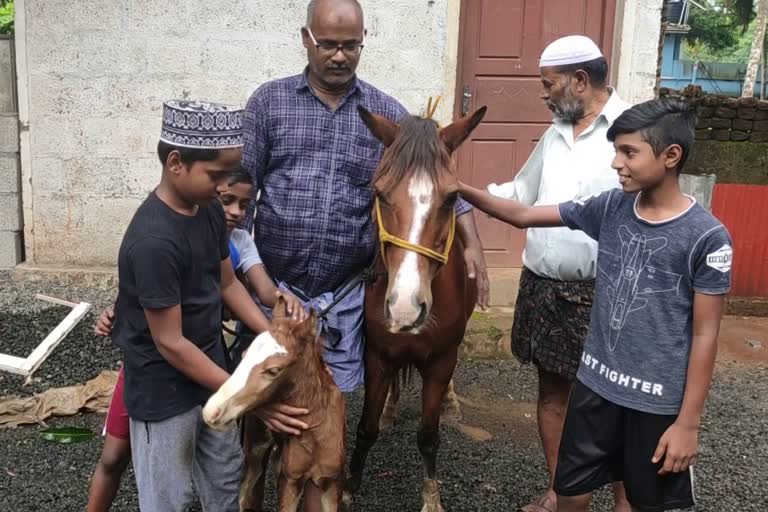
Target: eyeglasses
(351, 50)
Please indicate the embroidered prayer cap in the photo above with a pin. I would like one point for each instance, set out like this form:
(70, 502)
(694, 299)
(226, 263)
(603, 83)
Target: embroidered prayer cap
(569, 50)
(200, 124)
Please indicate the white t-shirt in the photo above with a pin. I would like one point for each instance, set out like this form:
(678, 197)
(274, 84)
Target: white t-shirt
(249, 255)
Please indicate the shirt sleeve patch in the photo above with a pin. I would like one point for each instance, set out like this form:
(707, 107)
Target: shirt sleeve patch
(721, 259)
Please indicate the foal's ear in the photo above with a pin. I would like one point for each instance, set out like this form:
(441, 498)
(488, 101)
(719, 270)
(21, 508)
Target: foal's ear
(381, 127)
(308, 328)
(456, 133)
(280, 311)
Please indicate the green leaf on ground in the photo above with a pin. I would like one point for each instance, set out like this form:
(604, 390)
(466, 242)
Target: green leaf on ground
(66, 435)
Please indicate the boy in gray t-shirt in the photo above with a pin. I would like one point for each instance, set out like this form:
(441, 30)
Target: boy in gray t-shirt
(664, 269)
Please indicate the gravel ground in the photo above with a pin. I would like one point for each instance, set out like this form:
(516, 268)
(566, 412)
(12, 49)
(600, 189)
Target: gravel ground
(492, 475)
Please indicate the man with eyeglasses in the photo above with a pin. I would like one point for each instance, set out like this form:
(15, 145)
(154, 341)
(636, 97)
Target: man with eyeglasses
(312, 159)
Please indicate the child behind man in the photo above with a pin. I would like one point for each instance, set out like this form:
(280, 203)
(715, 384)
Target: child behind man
(664, 269)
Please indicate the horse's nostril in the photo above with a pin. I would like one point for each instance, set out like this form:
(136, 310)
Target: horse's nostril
(422, 313)
(387, 309)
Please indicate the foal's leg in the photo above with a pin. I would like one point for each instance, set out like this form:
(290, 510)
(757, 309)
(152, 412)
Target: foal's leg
(257, 445)
(331, 496)
(289, 494)
(378, 376)
(436, 376)
(389, 416)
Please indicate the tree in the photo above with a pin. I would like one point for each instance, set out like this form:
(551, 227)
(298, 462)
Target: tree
(755, 55)
(6, 17)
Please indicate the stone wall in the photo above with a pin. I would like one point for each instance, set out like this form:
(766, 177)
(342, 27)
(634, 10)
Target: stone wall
(731, 136)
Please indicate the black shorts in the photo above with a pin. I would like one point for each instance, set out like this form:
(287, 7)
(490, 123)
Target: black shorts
(603, 442)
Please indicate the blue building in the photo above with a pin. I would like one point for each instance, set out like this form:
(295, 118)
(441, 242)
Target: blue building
(676, 72)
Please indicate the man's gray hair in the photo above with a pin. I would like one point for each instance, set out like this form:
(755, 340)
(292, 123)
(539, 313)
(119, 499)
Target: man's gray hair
(311, 9)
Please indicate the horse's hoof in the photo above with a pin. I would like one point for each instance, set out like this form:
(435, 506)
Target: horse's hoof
(451, 413)
(386, 422)
(432, 508)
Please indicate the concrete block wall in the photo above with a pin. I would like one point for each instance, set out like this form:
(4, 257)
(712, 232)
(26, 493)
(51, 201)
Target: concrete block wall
(11, 225)
(96, 83)
(92, 80)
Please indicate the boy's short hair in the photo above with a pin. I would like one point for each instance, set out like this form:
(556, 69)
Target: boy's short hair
(661, 123)
(596, 70)
(187, 155)
(240, 176)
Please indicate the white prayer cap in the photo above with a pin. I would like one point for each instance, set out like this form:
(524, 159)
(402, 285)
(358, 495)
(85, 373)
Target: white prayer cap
(569, 50)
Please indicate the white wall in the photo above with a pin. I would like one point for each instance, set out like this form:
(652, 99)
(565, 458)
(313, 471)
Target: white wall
(92, 76)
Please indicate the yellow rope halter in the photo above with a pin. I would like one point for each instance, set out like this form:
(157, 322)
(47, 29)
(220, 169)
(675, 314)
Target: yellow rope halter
(385, 237)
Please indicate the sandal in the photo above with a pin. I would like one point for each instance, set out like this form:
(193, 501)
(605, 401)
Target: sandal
(543, 504)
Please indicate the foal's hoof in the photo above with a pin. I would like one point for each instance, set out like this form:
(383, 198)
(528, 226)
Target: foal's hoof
(346, 501)
(352, 485)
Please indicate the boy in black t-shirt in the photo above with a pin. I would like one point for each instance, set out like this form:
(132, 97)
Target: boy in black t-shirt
(174, 271)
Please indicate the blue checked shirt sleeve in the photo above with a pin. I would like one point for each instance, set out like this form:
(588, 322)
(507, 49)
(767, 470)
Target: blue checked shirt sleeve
(255, 149)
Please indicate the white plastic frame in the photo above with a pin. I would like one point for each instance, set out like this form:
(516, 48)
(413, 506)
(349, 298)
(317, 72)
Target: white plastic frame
(27, 366)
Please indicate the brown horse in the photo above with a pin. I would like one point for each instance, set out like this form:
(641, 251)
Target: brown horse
(285, 365)
(417, 310)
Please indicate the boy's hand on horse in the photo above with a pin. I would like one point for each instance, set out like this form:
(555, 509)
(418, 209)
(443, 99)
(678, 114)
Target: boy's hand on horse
(677, 448)
(104, 322)
(295, 306)
(283, 418)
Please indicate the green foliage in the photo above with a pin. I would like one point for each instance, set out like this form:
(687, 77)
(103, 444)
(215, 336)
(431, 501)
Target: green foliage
(6, 17)
(720, 34)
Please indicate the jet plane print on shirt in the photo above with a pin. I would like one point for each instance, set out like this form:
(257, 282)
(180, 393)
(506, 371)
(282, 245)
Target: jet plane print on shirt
(634, 280)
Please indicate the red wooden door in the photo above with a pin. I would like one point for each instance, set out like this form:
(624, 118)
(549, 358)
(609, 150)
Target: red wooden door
(500, 45)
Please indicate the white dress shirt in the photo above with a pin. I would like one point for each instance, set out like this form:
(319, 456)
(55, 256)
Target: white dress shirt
(561, 169)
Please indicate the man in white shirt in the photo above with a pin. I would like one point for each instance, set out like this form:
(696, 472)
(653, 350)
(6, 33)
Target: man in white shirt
(573, 158)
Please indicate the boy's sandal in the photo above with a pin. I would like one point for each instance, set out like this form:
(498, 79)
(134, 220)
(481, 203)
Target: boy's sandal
(541, 505)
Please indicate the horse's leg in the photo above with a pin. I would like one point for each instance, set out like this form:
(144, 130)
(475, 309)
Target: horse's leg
(289, 494)
(451, 409)
(378, 376)
(257, 444)
(436, 376)
(389, 416)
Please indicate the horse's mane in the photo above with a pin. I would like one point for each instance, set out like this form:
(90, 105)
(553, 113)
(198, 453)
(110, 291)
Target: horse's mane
(417, 148)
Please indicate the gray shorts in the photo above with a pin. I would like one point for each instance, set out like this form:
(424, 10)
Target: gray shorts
(171, 455)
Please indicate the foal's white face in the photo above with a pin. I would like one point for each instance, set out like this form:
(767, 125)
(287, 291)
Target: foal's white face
(262, 364)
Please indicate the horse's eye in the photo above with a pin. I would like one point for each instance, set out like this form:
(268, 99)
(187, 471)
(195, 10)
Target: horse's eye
(273, 372)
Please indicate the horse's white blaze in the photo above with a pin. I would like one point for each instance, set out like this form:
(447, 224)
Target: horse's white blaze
(407, 280)
(264, 346)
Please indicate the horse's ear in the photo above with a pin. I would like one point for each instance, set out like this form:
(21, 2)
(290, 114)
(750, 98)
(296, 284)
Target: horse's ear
(381, 127)
(456, 133)
(280, 311)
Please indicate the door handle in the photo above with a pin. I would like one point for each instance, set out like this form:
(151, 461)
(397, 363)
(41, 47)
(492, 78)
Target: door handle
(466, 100)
